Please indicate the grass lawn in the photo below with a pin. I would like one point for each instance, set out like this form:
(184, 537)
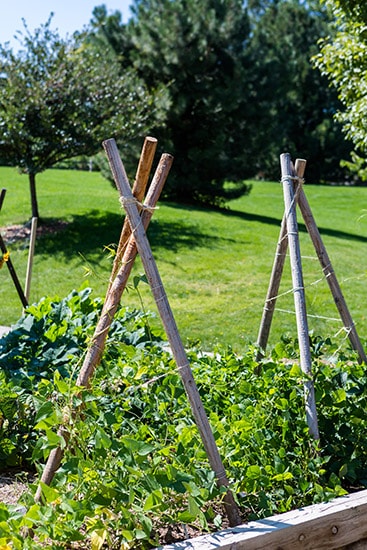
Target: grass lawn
(215, 265)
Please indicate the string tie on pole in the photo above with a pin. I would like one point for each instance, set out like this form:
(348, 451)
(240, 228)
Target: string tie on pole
(125, 201)
(293, 178)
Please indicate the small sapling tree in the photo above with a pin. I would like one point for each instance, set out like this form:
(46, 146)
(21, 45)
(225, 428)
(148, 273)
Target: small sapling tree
(59, 98)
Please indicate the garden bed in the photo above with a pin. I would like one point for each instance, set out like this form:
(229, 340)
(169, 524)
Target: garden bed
(339, 524)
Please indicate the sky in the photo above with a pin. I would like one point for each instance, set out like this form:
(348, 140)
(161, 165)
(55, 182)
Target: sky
(69, 15)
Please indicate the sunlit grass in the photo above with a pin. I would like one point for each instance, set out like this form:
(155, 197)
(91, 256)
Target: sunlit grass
(215, 265)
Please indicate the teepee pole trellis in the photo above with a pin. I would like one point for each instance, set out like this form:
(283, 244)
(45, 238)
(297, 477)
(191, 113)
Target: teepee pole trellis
(169, 323)
(112, 300)
(326, 266)
(298, 292)
(277, 271)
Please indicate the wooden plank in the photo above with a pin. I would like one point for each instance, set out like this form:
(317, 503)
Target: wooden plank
(326, 526)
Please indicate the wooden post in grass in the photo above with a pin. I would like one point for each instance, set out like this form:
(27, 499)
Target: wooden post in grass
(2, 196)
(113, 297)
(151, 270)
(298, 292)
(32, 243)
(276, 275)
(9, 263)
(330, 276)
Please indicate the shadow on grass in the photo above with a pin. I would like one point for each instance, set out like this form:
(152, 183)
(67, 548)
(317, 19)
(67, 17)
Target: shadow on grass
(90, 233)
(301, 226)
(269, 220)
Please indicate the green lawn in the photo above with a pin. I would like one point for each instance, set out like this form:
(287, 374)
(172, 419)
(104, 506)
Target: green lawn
(215, 265)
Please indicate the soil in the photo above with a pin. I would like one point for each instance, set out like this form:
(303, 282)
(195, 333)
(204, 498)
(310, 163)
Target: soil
(13, 483)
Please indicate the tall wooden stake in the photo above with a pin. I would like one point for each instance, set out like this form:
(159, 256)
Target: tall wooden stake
(32, 243)
(170, 326)
(298, 292)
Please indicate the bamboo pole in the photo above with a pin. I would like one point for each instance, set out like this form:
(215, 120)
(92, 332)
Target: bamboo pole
(330, 276)
(32, 243)
(96, 349)
(170, 326)
(276, 275)
(139, 186)
(298, 292)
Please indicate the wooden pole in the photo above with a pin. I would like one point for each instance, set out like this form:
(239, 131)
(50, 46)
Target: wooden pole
(139, 186)
(9, 263)
(32, 243)
(129, 203)
(330, 276)
(298, 292)
(2, 196)
(276, 275)
(95, 351)
(13, 274)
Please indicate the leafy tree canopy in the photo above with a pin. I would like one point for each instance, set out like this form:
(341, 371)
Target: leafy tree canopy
(60, 98)
(195, 49)
(294, 105)
(343, 58)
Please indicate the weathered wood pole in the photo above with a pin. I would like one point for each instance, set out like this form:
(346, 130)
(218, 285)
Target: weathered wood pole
(170, 326)
(139, 186)
(95, 351)
(298, 292)
(330, 276)
(32, 243)
(275, 278)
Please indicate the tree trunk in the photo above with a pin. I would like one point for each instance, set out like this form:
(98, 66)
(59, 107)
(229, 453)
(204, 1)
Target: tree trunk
(32, 187)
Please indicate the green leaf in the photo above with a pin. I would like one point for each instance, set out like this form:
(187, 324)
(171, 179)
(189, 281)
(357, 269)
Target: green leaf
(51, 495)
(98, 538)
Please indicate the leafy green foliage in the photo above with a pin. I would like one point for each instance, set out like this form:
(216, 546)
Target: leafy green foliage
(60, 98)
(134, 449)
(293, 102)
(343, 59)
(195, 50)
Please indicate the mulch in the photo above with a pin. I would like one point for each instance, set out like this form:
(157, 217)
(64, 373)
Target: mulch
(19, 232)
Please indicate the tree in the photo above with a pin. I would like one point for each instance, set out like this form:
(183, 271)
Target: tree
(196, 50)
(60, 98)
(294, 103)
(343, 59)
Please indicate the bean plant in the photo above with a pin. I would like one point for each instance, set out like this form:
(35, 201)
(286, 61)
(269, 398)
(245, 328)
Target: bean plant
(134, 466)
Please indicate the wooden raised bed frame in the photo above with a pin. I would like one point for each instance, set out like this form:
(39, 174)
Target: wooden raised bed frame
(339, 524)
